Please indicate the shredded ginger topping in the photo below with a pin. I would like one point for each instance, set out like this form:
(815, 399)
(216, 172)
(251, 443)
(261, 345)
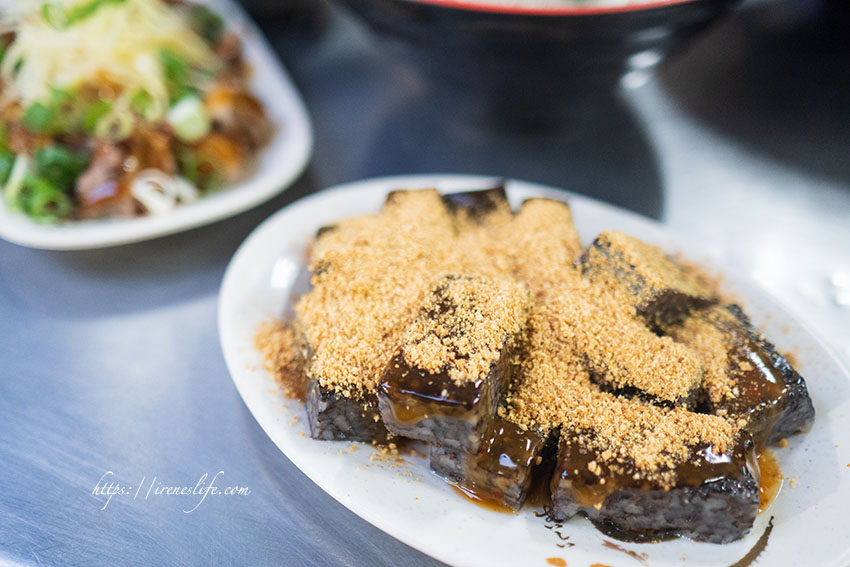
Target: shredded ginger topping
(63, 44)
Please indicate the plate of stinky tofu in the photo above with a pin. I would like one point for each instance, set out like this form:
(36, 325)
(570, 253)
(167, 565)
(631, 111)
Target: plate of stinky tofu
(501, 373)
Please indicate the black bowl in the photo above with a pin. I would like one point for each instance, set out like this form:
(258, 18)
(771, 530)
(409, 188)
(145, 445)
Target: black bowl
(531, 66)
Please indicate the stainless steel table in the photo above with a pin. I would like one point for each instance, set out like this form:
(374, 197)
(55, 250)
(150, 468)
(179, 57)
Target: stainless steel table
(111, 369)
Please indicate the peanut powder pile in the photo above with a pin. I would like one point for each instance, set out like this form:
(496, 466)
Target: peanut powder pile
(713, 345)
(281, 357)
(535, 246)
(544, 244)
(657, 270)
(556, 391)
(464, 325)
(371, 275)
(622, 351)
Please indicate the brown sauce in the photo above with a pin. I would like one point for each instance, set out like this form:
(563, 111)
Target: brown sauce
(506, 446)
(483, 500)
(591, 488)
(642, 557)
(505, 462)
(761, 386)
(415, 394)
(540, 496)
(771, 479)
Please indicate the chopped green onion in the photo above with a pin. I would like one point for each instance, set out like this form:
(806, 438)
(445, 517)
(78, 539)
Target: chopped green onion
(58, 96)
(15, 181)
(68, 110)
(176, 71)
(141, 101)
(214, 179)
(146, 105)
(42, 200)
(34, 194)
(187, 164)
(190, 119)
(173, 64)
(86, 10)
(115, 126)
(60, 166)
(55, 13)
(61, 111)
(94, 113)
(39, 118)
(7, 160)
(199, 170)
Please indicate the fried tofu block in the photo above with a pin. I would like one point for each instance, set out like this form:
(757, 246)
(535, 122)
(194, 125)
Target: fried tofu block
(661, 290)
(501, 471)
(455, 361)
(713, 498)
(745, 376)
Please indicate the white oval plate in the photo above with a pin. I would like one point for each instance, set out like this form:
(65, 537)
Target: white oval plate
(406, 501)
(277, 166)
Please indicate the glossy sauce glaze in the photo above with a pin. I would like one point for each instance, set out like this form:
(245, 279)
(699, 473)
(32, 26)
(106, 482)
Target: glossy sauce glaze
(771, 479)
(414, 394)
(590, 489)
(507, 447)
(505, 469)
(761, 388)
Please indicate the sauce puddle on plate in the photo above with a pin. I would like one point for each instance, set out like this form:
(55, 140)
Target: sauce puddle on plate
(771, 479)
(483, 501)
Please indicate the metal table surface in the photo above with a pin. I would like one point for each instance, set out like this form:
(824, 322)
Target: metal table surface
(111, 367)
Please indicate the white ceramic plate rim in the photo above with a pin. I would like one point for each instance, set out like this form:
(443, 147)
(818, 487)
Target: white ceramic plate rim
(465, 534)
(277, 166)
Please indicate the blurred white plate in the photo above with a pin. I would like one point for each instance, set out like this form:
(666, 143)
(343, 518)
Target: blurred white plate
(406, 501)
(277, 166)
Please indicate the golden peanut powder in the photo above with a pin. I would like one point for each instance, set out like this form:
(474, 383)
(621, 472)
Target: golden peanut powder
(617, 253)
(555, 391)
(621, 351)
(713, 346)
(464, 325)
